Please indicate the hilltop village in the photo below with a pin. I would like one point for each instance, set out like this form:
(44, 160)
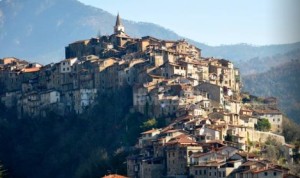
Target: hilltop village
(211, 126)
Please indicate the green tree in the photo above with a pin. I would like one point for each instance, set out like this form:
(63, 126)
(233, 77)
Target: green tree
(271, 151)
(228, 137)
(291, 131)
(149, 124)
(146, 109)
(249, 142)
(263, 125)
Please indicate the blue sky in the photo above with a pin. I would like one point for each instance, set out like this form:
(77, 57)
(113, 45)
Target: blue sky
(215, 22)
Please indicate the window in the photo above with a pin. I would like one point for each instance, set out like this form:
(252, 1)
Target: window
(209, 173)
(204, 172)
(196, 172)
(200, 172)
(266, 174)
(275, 173)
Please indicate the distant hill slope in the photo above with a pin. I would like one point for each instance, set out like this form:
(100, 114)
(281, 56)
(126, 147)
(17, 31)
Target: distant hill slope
(38, 30)
(244, 52)
(263, 64)
(282, 82)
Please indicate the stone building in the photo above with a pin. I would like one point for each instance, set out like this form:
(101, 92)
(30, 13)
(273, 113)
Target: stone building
(104, 46)
(274, 117)
(178, 150)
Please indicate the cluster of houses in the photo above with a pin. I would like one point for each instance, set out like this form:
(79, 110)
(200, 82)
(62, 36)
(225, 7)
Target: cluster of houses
(209, 132)
(197, 148)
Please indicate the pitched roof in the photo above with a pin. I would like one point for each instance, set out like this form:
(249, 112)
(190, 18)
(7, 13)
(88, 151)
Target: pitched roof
(211, 164)
(200, 154)
(114, 176)
(245, 155)
(267, 111)
(182, 139)
(252, 162)
(150, 131)
(33, 69)
(266, 169)
(170, 130)
(289, 145)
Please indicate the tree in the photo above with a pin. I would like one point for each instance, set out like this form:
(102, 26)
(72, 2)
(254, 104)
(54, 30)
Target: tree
(146, 109)
(263, 125)
(291, 130)
(271, 150)
(151, 123)
(228, 137)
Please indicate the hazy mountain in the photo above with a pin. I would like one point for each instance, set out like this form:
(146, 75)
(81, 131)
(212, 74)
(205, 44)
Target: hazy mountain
(35, 29)
(282, 82)
(38, 30)
(263, 64)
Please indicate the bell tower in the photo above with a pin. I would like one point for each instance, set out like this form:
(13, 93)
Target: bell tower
(119, 28)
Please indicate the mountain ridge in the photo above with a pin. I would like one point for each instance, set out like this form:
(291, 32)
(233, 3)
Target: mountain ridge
(282, 82)
(46, 27)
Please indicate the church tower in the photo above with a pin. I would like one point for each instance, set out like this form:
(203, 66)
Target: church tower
(119, 28)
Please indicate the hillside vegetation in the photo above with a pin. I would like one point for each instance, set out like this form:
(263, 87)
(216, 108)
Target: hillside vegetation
(282, 82)
(263, 64)
(86, 145)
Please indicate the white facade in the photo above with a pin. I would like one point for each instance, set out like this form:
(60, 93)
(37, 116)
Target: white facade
(147, 137)
(50, 97)
(275, 119)
(210, 134)
(66, 65)
(87, 96)
(84, 98)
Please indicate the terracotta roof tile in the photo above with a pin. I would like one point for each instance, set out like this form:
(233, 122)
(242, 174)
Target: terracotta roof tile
(181, 139)
(150, 131)
(33, 69)
(114, 176)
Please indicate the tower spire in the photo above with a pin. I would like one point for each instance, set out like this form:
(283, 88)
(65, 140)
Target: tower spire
(119, 28)
(118, 21)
